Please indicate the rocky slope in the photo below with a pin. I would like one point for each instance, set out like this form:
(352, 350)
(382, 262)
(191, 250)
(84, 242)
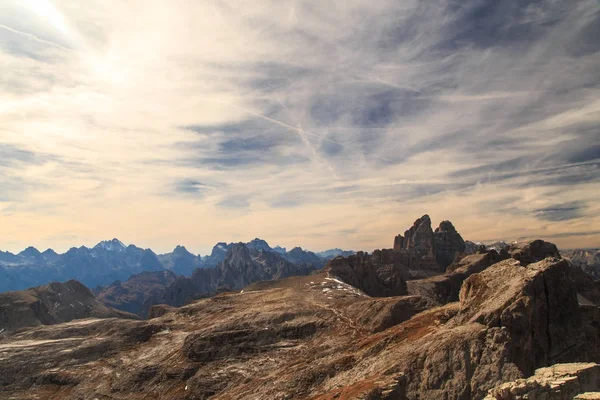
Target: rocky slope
(136, 295)
(51, 304)
(318, 337)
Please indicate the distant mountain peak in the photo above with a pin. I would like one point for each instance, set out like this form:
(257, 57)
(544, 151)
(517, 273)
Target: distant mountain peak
(259, 244)
(111, 245)
(30, 252)
(182, 251)
(279, 249)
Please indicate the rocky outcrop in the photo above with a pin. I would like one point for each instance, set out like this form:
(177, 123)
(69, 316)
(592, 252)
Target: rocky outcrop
(418, 238)
(447, 244)
(530, 252)
(436, 249)
(420, 254)
(379, 314)
(51, 304)
(377, 275)
(537, 305)
(445, 288)
(558, 382)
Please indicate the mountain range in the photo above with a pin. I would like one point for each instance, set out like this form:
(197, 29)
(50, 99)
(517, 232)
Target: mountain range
(111, 260)
(425, 319)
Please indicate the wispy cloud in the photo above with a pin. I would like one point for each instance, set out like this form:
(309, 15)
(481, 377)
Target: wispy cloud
(323, 124)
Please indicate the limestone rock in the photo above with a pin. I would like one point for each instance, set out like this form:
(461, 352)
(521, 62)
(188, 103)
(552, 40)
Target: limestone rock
(418, 238)
(376, 275)
(558, 382)
(530, 252)
(445, 288)
(447, 244)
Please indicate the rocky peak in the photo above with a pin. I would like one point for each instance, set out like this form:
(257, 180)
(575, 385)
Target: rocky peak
(50, 255)
(111, 245)
(419, 237)
(443, 245)
(259, 244)
(181, 251)
(31, 252)
(279, 249)
(220, 248)
(530, 252)
(447, 243)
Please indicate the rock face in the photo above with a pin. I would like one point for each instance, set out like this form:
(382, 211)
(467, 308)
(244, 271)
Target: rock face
(377, 275)
(447, 244)
(418, 238)
(445, 288)
(558, 382)
(536, 304)
(434, 250)
(528, 252)
(51, 304)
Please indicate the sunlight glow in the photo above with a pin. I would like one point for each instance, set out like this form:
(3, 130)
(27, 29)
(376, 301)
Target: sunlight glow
(47, 11)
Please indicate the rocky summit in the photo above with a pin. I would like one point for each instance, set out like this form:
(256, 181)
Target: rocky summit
(520, 323)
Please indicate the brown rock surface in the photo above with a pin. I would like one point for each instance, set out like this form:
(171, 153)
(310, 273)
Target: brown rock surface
(445, 288)
(558, 382)
(447, 244)
(536, 250)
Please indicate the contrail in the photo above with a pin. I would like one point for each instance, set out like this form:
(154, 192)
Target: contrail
(315, 153)
(378, 79)
(31, 36)
(295, 129)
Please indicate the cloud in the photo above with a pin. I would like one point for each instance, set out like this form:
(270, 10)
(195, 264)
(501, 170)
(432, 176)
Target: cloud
(561, 212)
(189, 186)
(282, 115)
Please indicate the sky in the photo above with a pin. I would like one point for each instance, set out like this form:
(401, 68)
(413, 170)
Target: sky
(331, 123)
